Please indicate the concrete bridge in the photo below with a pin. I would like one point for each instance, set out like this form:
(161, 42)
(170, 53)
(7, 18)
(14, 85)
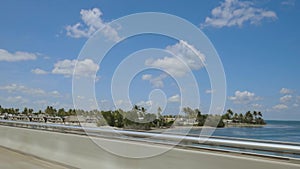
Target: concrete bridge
(36, 146)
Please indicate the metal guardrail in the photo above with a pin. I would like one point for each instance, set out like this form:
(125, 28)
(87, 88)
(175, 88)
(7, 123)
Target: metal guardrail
(246, 146)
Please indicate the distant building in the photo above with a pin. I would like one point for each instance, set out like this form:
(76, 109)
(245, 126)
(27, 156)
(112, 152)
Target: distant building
(55, 119)
(75, 120)
(36, 119)
(20, 118)
(169, 119)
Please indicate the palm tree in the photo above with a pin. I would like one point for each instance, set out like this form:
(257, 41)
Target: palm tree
(159, 111)
(236, 117)
(200, 118)
(248, 117)
(259, 114)
(159, 117)
(30, 111)
(136, 108)
(190, 113)
(50, 111)
(241, 117)
(229, 114)
(143, 110)
(255, 114)
(25, 111)
(61, 112)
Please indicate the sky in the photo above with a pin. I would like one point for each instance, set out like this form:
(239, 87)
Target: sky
(257, 43)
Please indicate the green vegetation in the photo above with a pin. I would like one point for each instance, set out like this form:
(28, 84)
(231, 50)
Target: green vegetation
(49, 111)
(139, 119)
(254, 118)
(203, 119)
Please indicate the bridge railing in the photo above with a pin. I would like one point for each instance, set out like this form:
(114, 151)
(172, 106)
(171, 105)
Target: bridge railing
(268, 148)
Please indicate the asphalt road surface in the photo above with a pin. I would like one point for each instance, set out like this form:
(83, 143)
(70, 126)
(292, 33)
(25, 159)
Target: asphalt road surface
(14, 160)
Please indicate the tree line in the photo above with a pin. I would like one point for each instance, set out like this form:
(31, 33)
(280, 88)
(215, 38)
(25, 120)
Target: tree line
(255, 117)
(139, 118)
(49, 111)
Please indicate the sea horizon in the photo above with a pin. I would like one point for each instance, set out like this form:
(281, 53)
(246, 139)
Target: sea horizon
(274, 130)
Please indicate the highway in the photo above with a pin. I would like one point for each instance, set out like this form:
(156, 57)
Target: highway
(64, 147)
(10, 159)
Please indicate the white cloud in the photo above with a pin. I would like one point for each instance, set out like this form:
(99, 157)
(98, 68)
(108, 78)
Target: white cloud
(155, 81)
(288, 2)
(175, 98)
(55, 93)
(15, 88)
(257, 106)
(122, 104)
(106, 105)
(169, 64)
(188, 53)
(42, 104)
(244, 97)
(84, 68)
(91, 22)
(209, 91)
(46, 57)
(286, 98)
(286, 91)
(39, 71)
(13, 101)
(145, 104)
(146, 77)
(189, 56)
(17, 56)
(236, 13)
(16, 99)
(280, 107)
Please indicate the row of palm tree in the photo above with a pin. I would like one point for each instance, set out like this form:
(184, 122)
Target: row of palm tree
(49, 111)
(255, 117)
(137, 118)
(15, 111)
(203, 119)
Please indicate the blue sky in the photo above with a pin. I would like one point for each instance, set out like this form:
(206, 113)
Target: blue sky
(257, 42)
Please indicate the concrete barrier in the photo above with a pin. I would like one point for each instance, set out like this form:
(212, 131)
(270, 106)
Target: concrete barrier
(81, 152)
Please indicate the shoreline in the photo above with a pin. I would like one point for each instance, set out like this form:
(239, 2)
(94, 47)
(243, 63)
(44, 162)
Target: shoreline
(240, 125)
(244, 125)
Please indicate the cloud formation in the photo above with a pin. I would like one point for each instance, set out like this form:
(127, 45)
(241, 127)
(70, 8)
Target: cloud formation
(280, 107)
(155, 81)
(17, 56)
(236, 13)
(15, 99)
(285, 91)
(16, 88)
(91, 22)
(175, 98)
(39, 71)
(209, 91)
(288, 2)
(84, 68)
(189, 57)
(244, 97)
(286, 98)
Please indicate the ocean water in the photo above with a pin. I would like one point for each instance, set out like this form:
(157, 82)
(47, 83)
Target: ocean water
(287, 131)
